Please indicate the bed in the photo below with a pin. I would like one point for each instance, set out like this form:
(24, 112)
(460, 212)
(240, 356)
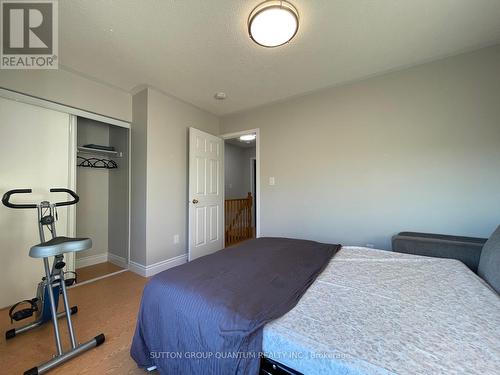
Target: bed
(378, 312)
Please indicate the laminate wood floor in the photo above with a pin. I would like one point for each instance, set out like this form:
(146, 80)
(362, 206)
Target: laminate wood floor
(96, 270)
(108, 305)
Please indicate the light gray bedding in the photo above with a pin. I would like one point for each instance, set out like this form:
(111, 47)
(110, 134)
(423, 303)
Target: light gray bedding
(379, 312)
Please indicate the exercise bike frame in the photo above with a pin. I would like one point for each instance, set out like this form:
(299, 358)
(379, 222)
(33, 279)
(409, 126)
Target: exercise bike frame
(47, 216)
(52, 285)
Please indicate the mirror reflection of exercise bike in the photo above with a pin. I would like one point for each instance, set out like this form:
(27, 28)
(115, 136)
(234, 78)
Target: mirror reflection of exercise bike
(44, 305)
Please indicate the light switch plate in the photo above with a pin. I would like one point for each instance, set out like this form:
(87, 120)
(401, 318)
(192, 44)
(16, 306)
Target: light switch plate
(272, 181)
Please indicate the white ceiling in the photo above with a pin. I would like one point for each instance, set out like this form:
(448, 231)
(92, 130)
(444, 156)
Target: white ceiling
(193, 48)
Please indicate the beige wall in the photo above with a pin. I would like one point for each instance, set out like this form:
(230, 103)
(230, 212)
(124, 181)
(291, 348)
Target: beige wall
(237, 181)
(168, 122)
(138, 171)
(234, 166)
(70, 89)
(417, 149)
(412, 150)
(161, 151)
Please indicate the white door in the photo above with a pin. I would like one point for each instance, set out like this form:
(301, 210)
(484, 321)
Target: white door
(206, 204)
(34, 153)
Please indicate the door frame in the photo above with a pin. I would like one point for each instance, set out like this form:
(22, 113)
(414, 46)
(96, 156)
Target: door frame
(255, 131)
(45, 103)
(253, 188)
(71, 229)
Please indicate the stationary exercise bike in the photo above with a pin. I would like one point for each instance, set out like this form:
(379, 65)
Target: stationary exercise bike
(44, 305)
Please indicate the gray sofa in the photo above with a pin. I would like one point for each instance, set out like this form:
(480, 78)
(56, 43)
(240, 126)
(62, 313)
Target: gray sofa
(481, 255)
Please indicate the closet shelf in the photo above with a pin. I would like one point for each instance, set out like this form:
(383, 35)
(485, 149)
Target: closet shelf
(93, 151)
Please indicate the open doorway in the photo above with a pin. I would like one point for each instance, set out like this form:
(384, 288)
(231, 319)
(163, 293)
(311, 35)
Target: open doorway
(240, 186)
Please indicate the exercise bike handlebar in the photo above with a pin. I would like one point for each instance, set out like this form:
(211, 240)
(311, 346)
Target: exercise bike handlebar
(6, 198)
(75, 200)
(7, 195)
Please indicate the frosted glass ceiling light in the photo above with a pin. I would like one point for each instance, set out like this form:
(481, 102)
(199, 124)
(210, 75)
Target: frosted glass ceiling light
(273, 23)
(247, 137)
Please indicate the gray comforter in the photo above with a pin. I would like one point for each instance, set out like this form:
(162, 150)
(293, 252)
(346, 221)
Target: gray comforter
(206, 316)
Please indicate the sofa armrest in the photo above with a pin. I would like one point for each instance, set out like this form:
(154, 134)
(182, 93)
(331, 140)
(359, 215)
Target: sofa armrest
(465, 249)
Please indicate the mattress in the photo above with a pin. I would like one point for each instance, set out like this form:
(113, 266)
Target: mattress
(379, 312)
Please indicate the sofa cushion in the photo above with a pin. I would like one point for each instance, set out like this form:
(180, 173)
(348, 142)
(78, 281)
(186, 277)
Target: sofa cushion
(489, 264)
(465, 249)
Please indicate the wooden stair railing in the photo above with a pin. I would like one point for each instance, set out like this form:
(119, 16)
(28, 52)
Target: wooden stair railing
(238, 217)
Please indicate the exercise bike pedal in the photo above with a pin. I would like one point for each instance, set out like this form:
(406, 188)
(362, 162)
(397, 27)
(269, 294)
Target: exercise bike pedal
(23, 314)
(70, 280)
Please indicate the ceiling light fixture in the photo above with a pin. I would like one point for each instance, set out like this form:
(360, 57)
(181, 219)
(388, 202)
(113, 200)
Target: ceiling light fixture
(273, 23)
(247, 137)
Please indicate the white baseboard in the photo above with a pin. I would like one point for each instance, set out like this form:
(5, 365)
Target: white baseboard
(153, 269)
(137, 268)
(91, 260)
(117, 260)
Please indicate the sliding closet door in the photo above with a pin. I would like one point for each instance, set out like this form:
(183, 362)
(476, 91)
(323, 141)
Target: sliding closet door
(34, 148)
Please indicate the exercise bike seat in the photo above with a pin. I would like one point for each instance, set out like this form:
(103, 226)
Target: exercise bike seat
(60, 245)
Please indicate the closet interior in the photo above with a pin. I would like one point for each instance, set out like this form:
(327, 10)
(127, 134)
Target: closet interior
(102, 182)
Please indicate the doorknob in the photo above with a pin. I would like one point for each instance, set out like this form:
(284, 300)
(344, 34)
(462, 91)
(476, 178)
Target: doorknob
(195, 201)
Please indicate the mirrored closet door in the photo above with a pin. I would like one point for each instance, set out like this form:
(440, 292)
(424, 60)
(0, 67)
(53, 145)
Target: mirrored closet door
(34, 147)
